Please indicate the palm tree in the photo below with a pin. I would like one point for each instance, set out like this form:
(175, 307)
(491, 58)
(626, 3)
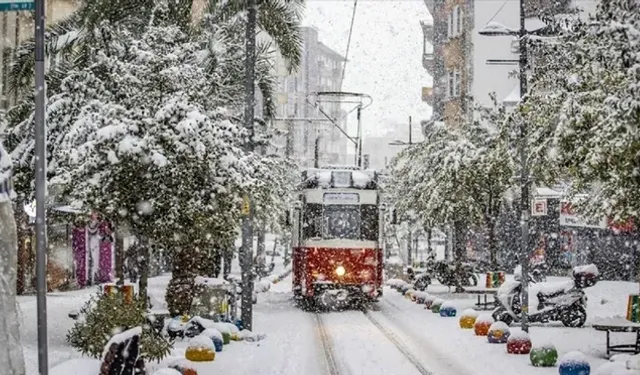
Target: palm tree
(75, 40)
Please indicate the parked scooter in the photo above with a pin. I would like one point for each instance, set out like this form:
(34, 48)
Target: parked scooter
(567, 304)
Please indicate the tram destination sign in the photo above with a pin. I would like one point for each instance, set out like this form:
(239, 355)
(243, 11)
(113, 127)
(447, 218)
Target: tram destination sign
(16, 5)
(341, 198)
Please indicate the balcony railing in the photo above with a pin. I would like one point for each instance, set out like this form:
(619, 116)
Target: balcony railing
(515, 46)
(427, 61)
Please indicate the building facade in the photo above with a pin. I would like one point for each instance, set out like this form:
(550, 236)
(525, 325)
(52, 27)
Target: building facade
(467, 67)
(308, 136)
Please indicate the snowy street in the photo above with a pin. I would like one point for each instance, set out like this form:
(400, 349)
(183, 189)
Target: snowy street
(393, 337)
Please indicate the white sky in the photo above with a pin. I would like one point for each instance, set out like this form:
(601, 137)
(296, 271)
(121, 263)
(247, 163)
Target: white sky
(385, 56)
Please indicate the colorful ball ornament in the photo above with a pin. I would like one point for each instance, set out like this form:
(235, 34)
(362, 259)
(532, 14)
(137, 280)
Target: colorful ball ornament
(420, 296)
(519, 343)
(574, 363)
(468, 318)
(200, 349)
(482, 324)
(428, 301)
(543, 355)
(184, 367)
(435, 306)
(447, 309)
(498, 333)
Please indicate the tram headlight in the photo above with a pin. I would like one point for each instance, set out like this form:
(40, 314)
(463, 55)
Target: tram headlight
(340, 271)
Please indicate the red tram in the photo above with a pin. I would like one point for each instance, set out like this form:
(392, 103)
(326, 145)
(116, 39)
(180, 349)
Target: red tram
(337, 237)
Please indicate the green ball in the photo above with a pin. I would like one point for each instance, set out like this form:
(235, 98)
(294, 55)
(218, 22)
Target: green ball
(543, 356)
(435, 308)
(226, 338)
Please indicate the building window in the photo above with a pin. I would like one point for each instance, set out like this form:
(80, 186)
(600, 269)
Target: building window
(450, 26)
(457, 82)
(454, 21)
(458, 16)
(451, 84)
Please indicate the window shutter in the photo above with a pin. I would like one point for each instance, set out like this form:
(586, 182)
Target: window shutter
(450, 26)
(457, 83)
(451, 91)
(454, 27)
(460, 17)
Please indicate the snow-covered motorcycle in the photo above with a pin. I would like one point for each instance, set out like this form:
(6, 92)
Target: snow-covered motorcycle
(566, 302)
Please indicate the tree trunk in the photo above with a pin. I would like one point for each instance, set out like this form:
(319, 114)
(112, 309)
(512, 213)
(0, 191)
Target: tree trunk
(492, 243)
(119, 257)
(260, 253)
(228, 258)
(143, 267)
(11, 356)
(180, 289)
(23, 247)
(459, 250)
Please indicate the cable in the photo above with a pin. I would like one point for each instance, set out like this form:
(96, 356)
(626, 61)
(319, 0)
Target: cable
(494, 16)
(346, 54)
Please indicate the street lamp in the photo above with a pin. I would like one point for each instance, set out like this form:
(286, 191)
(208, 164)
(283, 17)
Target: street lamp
(496, 29)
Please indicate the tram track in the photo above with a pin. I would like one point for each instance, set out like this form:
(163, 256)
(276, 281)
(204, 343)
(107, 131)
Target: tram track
(327, 347)
(396, 341)
(333, 363)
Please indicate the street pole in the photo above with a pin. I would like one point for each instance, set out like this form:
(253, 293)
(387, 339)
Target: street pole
(524, 176)
(359, 153)
(410, 131)
(409, 255)
(40, 166)
(246, 252)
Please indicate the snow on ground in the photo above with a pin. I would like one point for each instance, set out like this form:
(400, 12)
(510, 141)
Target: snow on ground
(292, 345)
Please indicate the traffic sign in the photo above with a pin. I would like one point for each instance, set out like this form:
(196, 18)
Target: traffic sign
(16, 5)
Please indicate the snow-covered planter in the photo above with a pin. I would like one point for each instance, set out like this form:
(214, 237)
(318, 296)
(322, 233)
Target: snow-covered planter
(435, 305)
(633, 362)
(420, 297)
(468, 318)
(249, 336)
(519, 342)
(544, 355)
(262, 286)
(633, 308)
(215, 336)
(494, 279)
(410, 294)
(200, 349)
(574, 363)
(167, 371)
(447, 309)
(482, 324)
(498, 333)
(184, 367)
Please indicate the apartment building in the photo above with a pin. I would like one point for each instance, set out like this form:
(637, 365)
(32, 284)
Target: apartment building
(309, 135)
(466, 66)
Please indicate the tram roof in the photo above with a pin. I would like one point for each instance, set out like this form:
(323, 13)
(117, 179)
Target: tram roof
(366, 179)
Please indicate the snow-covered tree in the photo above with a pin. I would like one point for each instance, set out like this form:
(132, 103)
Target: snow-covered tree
(588, 104)
(11, 357)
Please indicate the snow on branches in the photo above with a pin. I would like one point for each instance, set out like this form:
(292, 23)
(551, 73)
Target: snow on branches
(587, 107)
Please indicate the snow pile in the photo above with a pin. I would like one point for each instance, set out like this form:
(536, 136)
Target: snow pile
(80, 366)
(438, 301)
(222, 327)
(249, 336)
(395, 283)
(590, 269)
(211, 333)
(360, 179)
(633, 363)
(262, 286)
(201, 343)
(470, 313)
(395, 260)
(167, 371)
(573, 358)
(610, 368)
(199, 280)
(447, 305)
(485, 318)
(519, 336)
(499, 326)
(120, 338)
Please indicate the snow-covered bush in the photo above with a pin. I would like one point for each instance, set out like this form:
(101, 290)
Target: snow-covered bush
(105, 315)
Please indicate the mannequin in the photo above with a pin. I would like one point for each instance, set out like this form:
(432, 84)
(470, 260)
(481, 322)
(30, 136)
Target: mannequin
(11, 357)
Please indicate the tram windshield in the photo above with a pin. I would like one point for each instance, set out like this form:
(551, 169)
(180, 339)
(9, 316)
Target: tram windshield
(354, 222)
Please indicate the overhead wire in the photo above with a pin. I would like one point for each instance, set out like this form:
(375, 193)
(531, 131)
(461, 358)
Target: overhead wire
(346, 54)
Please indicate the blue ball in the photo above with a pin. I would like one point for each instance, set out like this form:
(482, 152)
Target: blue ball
(238, 324)
(574, 368)
(217, 343)
(448, 311)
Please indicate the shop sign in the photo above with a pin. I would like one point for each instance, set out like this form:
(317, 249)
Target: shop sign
(569, 218)
(539, 207)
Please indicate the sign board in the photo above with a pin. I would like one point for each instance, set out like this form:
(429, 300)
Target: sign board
(16, 5)
(341, 198)
(570, 219)
(246, 206)
(539, 207)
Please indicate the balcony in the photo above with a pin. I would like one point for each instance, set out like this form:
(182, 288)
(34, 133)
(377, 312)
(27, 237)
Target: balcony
(427, 31)
(428, 61)
(427, 95)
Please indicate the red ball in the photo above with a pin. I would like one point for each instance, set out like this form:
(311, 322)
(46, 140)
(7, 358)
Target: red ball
(518, 346)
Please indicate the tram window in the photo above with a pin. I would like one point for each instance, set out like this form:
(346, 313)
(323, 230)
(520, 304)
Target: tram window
(312, 222)
(342, 221)
(370, 218)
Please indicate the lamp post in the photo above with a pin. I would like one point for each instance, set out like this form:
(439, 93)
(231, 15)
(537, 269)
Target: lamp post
(495, 29)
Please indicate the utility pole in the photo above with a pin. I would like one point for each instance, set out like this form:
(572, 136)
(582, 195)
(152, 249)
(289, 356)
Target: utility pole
(246, 252)
(524, 176)
(41, 186)
(359, 146)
